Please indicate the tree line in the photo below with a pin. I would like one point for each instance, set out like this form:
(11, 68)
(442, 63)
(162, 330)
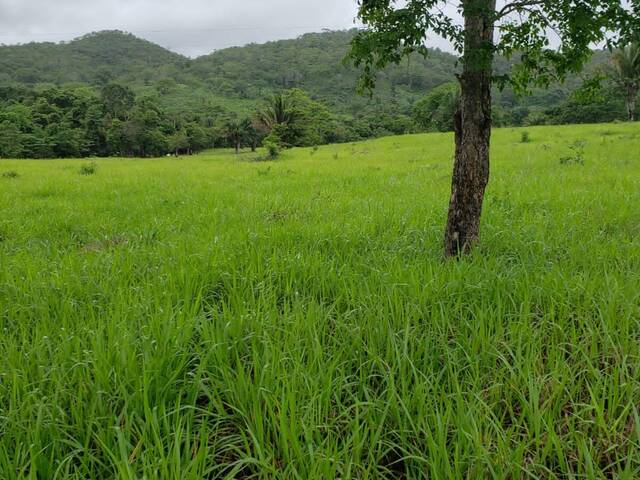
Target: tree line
(80, 122)
(113, 121)
(240, 80)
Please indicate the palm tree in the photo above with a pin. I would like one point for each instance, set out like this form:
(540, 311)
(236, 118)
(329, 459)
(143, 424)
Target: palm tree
(626, 65)
(278, 111)
(236, 132)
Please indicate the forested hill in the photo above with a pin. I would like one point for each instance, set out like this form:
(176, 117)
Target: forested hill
(235, 78)
(313, 62)
(95, 58)
(57, 99)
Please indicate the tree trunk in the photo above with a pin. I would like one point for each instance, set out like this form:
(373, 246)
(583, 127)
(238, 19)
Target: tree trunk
(472, 129)
(632, 94)
(237, 148)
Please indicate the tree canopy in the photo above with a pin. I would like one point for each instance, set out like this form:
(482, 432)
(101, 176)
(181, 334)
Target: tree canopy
(626, 63)
(546, 39)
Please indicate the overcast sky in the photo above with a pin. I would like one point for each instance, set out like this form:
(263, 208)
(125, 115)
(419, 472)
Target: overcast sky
(190, 27)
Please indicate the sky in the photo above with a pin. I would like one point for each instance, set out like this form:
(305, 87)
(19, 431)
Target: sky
(190, 27)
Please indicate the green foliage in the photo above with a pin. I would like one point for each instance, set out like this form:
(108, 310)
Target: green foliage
(241, 133)
(272, 144)
(525, 137)
(141, 132)
(626, 66)
(88, 168)
(117, 100)
(435, 112)
(198, 319)
(10, 174)
(595, 101)
(197, 98)
(12, 140)
(576, 157)
(96, 59)
(298, 120)
(233, 81)
(80, 121)
(278, 112)
(395, 31)
(313, 63)
(178, 142)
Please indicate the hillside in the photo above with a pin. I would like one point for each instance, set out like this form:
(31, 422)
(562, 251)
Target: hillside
(95, 58)
(52, 99)
(313, 62)
(237, 77)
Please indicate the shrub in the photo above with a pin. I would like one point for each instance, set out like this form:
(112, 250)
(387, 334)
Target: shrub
(577, 154)
(88, 168)
(272, 144)
(10, 174)
(524, 137)
(273, 150)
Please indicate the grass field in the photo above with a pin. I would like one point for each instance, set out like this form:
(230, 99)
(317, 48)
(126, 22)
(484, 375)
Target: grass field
(214, 317)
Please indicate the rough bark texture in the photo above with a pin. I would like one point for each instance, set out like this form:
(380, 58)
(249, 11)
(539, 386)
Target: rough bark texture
(472, 130)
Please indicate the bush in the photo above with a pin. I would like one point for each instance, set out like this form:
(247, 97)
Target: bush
(435, 112)
(536, 118)
(577, 154)
(10, 174)
(524, 137)
(273, 150)
(88, 168)
(272, 144)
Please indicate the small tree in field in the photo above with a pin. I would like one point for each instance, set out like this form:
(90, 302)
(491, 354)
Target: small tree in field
(239, 132)
(520, 28)
(626, 65)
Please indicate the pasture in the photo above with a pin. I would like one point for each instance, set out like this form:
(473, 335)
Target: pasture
(218, 317)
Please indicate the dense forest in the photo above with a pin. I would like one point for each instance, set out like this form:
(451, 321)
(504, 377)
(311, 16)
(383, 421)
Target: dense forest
(112, 94)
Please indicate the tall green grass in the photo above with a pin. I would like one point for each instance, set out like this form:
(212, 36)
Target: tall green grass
(214, 317)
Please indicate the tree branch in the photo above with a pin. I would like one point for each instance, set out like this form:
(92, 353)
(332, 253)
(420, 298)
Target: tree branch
(514, 6)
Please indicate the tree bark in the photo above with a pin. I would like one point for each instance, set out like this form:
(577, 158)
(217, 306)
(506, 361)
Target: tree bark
(632, 94)
(472, 129)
